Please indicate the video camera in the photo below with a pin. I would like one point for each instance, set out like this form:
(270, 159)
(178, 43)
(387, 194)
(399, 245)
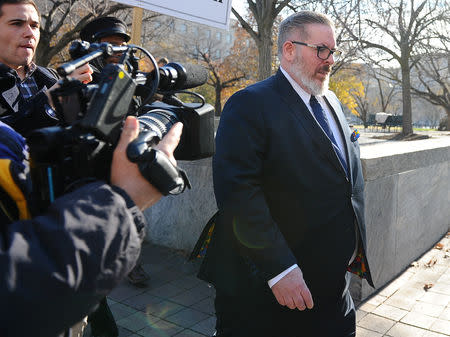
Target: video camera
(91, 117)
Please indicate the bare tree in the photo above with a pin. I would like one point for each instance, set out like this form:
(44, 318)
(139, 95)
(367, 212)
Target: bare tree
(363, 107)
(157, 29)
(386, 91)
(264, 13)
(219, 80)
(364, 103)
(343, 14)
(395, 28)
(431, 75)
(261, 25)
(229, 72)
(62, 21)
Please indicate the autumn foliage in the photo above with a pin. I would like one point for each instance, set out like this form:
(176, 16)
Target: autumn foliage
(347, 86)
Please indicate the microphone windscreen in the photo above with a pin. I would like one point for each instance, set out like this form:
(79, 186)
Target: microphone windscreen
(196, 75)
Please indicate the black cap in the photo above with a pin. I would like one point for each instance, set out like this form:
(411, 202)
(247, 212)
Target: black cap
(104, 26)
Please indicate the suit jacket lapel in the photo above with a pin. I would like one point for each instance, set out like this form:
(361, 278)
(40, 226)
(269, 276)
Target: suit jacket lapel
(335, 107)
(301, 112)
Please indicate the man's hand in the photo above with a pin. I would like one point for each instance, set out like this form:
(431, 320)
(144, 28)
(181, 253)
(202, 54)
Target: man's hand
(126, 174)
(292, 291)
(82, 74)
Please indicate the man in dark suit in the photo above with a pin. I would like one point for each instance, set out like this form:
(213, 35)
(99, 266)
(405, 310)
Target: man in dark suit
(289, 188)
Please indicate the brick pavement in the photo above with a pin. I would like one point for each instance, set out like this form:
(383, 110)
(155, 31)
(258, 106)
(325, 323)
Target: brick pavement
(415, 304)
(176, 303)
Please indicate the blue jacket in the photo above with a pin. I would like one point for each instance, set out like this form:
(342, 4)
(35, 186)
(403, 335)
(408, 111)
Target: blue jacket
(55, 267)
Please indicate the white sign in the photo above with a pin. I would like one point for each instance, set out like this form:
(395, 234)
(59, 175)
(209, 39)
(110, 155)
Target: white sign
(214, 13)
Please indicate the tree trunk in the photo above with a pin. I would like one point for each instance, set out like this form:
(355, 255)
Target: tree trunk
(406, 97)
(447, 109)
(264, 12)
(264, 56)
(218, 102)
(43, 57)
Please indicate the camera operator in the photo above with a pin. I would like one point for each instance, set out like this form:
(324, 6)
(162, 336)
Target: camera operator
(105, 29)
(23, 84)
(55, 267)
(114, 31)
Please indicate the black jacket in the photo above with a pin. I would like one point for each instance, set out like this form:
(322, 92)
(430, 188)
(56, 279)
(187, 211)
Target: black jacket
(25, 115)
(54, 268)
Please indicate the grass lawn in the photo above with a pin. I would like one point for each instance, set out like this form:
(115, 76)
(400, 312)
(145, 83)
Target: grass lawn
(393, 129)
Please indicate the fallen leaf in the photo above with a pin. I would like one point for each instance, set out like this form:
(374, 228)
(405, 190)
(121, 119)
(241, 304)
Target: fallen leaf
(428, 286)
(439, 246)
(431, 263)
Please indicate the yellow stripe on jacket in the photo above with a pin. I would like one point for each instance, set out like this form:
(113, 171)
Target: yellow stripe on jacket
(9, 186)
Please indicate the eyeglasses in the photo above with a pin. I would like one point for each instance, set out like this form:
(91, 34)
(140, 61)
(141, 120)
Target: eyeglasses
(323, 52)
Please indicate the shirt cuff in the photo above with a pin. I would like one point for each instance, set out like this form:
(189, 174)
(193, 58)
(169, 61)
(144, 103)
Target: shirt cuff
(274, 280)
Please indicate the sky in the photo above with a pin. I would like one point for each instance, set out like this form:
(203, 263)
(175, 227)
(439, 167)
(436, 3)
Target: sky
(240, 6)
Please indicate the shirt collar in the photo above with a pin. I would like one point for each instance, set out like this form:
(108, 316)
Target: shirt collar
(29, 70)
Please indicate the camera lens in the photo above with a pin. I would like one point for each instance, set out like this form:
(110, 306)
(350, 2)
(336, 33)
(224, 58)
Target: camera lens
(158, 120)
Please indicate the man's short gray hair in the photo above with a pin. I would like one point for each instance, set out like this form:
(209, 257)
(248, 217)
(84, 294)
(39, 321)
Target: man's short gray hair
(298, 21)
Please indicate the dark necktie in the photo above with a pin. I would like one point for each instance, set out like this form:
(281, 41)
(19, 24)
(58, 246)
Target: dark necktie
(322, 119)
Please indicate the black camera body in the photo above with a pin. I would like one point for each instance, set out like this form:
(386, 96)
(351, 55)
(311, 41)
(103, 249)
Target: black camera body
(197, 140)
(91, 118)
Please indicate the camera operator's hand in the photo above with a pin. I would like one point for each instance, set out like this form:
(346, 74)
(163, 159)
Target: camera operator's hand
(126, 174)
(82, 74)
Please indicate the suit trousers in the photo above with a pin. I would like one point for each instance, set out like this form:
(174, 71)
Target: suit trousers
(263, 316)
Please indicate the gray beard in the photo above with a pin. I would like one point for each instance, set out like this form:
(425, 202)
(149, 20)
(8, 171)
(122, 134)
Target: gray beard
(315, 88)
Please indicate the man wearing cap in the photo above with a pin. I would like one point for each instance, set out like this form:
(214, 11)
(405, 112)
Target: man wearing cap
(105, 29)
(111, 30)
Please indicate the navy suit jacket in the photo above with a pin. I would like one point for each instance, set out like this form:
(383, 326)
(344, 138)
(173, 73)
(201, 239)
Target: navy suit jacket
(282, 194)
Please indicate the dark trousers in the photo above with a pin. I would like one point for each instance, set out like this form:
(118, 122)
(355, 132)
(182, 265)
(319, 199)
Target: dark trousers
(248, 316)
(102, 321)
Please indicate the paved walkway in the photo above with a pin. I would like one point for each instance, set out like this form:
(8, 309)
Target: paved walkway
(176, 303)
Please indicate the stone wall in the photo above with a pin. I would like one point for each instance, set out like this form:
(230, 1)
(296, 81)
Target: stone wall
(407, 206)
(177, 221)
(407, 195)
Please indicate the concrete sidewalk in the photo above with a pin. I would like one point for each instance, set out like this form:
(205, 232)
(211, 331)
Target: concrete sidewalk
(176, 303)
